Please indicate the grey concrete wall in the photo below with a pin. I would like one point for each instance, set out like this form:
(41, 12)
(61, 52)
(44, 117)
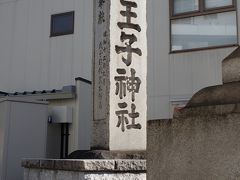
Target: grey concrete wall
(199, 143)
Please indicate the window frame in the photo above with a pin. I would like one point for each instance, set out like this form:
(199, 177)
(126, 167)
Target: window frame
(52, 33)
(201, 12)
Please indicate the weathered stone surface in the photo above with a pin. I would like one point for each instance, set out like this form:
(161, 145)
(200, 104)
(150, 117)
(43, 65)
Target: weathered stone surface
(202, 140)
(66, 165)
(65, 175)
(31, 164)
(49, 164)
(231, 67)
(47, 175)
(99, 165)
(103, 154)
(199, 143)
(130, 165)
(88, 165)
(26, 173)
(34, 174)
(126, 176)
(73, 175)
(208, 110)
(217, 95)
(119, 75)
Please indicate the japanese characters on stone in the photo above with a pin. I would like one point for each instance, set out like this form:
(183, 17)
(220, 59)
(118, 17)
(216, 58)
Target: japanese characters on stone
(102, 60)
(102, 68)
(127, 85)
(101, 14)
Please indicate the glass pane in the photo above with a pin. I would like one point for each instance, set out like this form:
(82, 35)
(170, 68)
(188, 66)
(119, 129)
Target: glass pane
(181, 6)
(204, 31)
(217, 3)
(62, 24)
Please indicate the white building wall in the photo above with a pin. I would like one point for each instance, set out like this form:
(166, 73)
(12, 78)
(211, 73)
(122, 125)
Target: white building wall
(158, 59)
(31, 60)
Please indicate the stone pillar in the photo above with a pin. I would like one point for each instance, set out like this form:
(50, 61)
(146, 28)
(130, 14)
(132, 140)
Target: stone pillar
(119, 75)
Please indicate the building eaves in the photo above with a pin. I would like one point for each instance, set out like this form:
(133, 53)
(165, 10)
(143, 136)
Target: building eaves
(67, 92)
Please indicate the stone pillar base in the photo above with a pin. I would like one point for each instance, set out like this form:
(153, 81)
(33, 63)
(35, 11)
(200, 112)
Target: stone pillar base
(84, 169)
(104, 154)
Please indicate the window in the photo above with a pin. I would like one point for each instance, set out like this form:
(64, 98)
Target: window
(218, 3)
(199, 24)
(62, 24)
(182, 6)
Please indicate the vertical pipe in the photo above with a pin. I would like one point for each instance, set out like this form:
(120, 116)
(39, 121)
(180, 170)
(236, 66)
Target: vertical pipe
(62, 142)
(66, 140)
